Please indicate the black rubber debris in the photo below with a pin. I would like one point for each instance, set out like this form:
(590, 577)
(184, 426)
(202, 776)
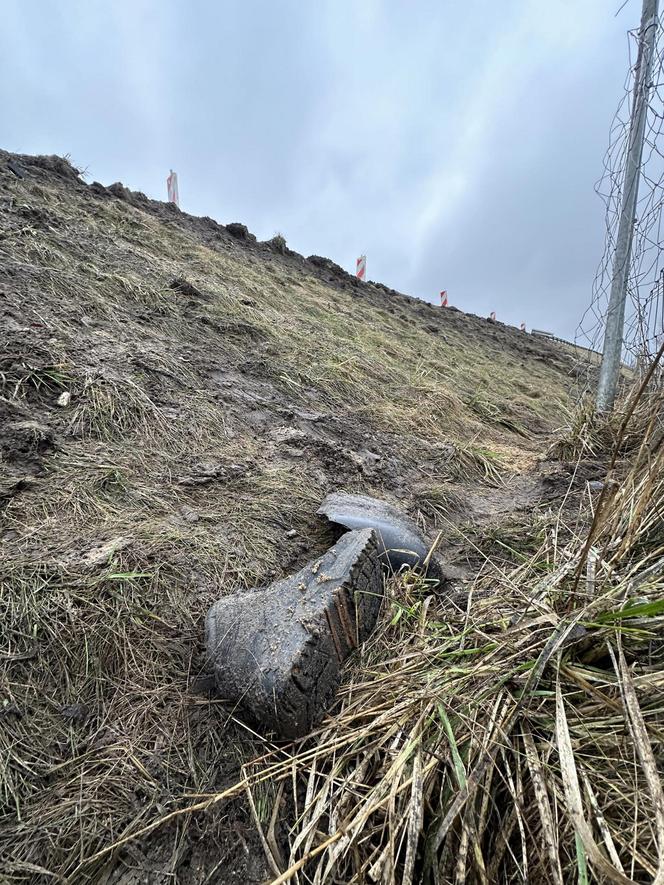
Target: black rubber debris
(18, 171)
(401, 542)
(186, 288)
(278, 653)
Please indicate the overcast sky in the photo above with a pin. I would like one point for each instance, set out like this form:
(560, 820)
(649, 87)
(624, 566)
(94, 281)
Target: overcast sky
(456, 142)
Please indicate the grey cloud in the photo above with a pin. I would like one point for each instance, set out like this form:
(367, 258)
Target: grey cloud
(456, 144)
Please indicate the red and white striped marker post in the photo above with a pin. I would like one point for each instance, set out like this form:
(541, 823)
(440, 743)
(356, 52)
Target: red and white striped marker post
(361, 267)
(443, 298)
(492, 315)
(172, 185)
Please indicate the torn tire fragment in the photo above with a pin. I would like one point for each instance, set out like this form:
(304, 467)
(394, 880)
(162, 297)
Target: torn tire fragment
(277, 653)
(401, 542)
(17, 170)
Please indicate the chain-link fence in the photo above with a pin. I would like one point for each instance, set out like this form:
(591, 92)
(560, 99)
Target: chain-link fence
(644, 318)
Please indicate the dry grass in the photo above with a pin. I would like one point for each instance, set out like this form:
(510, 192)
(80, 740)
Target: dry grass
(374, 365)
(581, 436)
(471, 461)
(107, 731)
(518, 740)
(158, 495)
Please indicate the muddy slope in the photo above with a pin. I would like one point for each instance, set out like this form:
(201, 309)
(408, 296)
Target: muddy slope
(176, 399)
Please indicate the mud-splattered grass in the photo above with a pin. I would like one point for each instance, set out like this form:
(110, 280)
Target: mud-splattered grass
(118, 728)
(518, 738)
(176, 405)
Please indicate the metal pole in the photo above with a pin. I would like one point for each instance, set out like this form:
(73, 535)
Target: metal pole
(615, 318)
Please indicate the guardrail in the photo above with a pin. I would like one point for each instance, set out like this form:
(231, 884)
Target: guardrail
(549, 336)
(538, 333)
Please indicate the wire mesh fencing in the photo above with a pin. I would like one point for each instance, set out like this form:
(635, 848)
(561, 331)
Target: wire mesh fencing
(644, 316)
